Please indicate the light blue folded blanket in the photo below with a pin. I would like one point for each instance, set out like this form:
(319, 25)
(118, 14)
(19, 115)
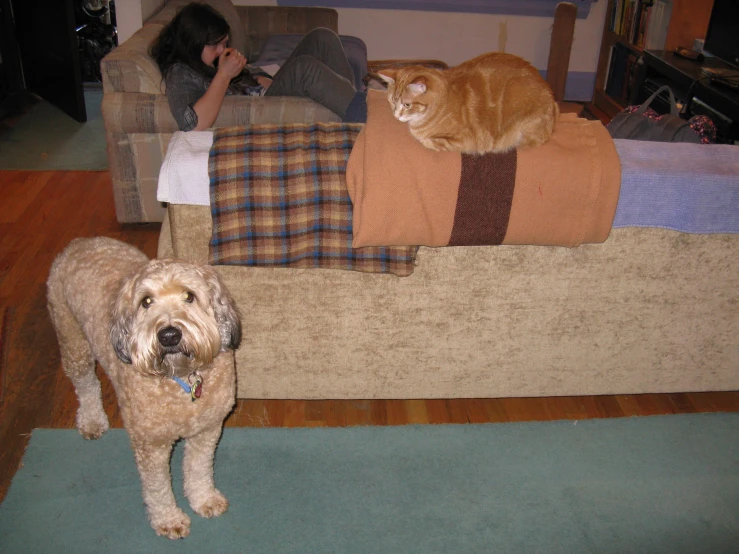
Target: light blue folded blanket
(692, 188)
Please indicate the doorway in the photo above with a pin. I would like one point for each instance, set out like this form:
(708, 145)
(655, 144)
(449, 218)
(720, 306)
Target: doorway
(58, 45)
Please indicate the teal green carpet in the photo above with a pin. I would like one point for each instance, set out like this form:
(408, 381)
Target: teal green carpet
(649, 484)
(47, 139)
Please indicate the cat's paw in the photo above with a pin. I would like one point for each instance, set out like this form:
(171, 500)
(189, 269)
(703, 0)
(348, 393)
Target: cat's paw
(431, 144)
(439, 144)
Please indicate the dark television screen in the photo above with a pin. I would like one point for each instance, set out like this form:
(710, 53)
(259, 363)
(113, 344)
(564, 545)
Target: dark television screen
(722, 38)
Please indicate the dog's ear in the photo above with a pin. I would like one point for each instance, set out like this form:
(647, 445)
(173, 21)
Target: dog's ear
(226, 312)
(234, 328)
(119, 340)
(121, 319)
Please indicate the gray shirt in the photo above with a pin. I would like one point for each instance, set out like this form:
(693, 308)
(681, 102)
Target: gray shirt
(185, 86)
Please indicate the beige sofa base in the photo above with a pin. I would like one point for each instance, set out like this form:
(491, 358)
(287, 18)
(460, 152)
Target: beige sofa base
(650, 310)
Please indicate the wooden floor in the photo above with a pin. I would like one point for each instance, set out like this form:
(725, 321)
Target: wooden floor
(41, 212)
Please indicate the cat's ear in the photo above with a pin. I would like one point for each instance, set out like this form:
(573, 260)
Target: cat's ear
(418, 86)
(388, 75)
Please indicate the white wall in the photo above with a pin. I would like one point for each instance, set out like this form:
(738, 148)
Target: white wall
(131, 14)
(450, 37)
(150, 7)
(456, 37)
(128, 18)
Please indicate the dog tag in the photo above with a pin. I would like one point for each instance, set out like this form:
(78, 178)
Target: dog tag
(196, 388)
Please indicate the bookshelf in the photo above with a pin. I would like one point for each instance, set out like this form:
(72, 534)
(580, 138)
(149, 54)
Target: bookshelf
(629, 26)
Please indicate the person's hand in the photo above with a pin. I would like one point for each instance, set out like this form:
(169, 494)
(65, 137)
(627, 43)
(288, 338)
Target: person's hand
(231, 62)
(264, 81)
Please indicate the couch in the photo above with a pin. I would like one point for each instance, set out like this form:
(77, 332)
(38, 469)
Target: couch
(138, 123)
(650, 310)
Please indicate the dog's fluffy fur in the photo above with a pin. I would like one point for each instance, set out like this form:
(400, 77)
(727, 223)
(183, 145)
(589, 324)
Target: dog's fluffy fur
(145, 322)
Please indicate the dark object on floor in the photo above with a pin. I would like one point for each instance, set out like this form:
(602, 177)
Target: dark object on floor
(641, 123)
(96, 36)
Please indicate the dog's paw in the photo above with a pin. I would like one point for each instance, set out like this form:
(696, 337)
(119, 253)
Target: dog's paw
(176, 526)
(212, 506)
(92, 428)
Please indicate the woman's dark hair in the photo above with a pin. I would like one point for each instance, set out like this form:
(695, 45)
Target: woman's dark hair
(184, 38)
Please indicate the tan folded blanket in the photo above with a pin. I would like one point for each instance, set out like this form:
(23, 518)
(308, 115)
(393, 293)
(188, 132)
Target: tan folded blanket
(563, 193)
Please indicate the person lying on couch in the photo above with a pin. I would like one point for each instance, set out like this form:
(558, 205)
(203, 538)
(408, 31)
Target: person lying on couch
(199, 70)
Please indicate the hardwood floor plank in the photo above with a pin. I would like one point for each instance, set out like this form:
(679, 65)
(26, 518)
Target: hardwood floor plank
(457, 410)
(495, 410)
(628, 404)
(416, 410)
(294, 411)
(274, 411)
(20, 263)
(20, 189)
(335, 413)
(721, 401)
(314, 413)
(396, 412)
(477, 411)
(526, 409)
(437, 411)
(248, 413)
(378, 412)
(358, 412)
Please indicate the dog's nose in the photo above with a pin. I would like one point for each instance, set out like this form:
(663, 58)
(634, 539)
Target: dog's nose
(169, 336)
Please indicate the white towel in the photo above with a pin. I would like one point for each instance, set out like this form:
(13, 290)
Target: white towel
(183, 178)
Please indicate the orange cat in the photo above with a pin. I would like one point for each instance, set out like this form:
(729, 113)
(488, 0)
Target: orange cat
(491, 103)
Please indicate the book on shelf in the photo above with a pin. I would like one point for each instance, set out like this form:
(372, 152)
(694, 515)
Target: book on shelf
(642, 23)
(656, 32)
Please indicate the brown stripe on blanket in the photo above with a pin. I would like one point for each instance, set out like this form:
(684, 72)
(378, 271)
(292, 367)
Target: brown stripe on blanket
(484, 204)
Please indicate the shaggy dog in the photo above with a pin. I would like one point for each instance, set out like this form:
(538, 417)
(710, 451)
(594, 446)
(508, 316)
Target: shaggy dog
(164, 331)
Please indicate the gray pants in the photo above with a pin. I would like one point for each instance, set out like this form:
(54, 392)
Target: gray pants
(317, 69)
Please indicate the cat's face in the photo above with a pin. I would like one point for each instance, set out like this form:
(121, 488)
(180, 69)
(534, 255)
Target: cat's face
(408, 95)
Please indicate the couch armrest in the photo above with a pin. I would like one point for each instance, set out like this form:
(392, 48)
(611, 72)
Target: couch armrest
(136, 112)
(131, 112)
(129, 68)
(260, 22)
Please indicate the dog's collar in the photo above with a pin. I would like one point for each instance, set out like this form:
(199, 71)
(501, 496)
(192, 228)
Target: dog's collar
(194, 385)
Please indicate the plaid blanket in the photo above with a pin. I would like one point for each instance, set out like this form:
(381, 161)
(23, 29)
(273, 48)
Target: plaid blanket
(279, 198)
